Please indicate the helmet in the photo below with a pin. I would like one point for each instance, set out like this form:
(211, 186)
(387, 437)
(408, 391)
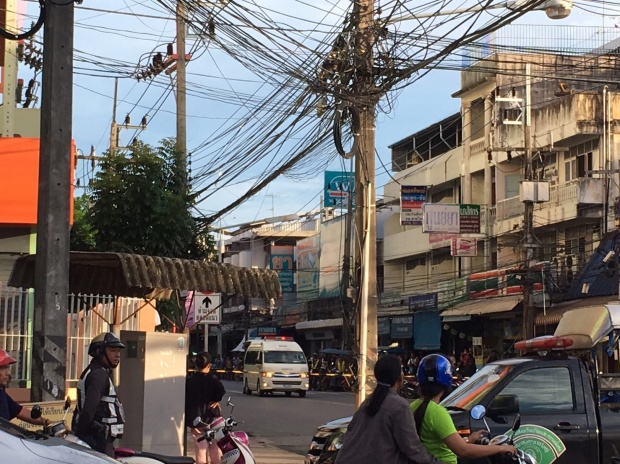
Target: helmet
(102, 340)
(5, 359)
(436, 369)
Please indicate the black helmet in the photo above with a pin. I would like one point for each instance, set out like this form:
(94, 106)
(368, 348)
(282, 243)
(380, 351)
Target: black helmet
(102, 340)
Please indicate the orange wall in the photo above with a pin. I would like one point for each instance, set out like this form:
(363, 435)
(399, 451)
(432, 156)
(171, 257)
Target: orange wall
(19, 181)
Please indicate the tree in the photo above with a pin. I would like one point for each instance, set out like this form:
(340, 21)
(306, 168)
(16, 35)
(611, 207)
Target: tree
(140, 203)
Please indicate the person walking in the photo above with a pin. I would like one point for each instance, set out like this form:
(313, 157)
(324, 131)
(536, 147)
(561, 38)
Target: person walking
(382, 429)
(99, 416)
(203, 392)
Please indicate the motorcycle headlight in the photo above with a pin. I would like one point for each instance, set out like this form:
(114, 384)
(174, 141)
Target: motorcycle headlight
(335, 442)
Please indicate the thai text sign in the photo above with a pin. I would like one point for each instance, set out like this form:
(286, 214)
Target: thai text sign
(451, 219)
(338, 186)
(412, 198)
(421, 302)
(464, 247)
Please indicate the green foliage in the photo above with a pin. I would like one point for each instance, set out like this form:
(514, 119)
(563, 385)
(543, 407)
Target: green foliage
(141, 204)
(82, 232)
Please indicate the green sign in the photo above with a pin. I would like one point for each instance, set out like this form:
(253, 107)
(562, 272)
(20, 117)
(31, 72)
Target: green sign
(540, 443)
(469, 219)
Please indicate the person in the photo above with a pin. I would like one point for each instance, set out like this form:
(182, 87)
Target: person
(492, 357)
(433, 422)
(99, 417)
(203, 392)
(9, 408)
(313, 369)
(382, 429)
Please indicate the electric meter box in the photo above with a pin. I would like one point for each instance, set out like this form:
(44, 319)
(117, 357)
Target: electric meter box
(535, 192)
(153, 370)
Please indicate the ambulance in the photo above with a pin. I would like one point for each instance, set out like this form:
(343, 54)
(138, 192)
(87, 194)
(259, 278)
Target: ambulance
(275, 364)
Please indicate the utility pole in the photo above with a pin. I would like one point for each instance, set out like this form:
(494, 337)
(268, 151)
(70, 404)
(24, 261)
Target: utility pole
(114, 127)
(365, 207)
(181, 87)
(528, 219)
(52, 258)
(346, 274)
(9, 72)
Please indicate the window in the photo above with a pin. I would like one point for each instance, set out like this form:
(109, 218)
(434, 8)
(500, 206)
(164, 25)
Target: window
(411, 264)
(578, 160)
(284, 357)
(512, 185)
(545, 390)
(251, 357)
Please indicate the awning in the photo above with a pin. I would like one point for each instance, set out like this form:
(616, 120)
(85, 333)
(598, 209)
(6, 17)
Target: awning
(129, 275)
(555, 313)
(484, 306)
(319, 324)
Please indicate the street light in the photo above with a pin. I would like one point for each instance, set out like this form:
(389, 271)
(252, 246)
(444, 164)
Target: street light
(555, 9)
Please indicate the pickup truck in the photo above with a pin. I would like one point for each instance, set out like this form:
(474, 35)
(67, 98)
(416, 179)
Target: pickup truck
(557, 389)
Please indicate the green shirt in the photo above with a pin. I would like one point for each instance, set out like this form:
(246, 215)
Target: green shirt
(436, 427)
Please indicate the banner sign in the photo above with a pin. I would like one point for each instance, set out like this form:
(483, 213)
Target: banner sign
(412, 198)
(421, 302)
(440, 240)
(451, 219)
(402, 327)
(207, 306)
(281, 260)
(338, 186)
(469, 219)
(464, 247)
(383, 326)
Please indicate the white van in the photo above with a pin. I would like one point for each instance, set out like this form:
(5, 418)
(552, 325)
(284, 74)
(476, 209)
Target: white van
(275, 364)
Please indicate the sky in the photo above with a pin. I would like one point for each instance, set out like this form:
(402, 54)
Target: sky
(112, 36)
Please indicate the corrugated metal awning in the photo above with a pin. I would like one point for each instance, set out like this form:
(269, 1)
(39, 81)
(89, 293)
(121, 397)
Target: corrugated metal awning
(319, 324)
(482, 306)
(129, 275)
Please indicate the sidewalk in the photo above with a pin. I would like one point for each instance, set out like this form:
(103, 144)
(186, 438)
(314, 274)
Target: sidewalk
(264, 452)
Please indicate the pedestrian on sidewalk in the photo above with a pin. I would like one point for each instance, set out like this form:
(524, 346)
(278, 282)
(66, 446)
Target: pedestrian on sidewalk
(382, 429)
(203, 392)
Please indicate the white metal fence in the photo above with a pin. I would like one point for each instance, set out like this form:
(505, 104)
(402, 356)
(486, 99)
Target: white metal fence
(88, 315)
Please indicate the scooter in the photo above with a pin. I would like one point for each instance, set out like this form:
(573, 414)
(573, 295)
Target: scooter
(409, 390)
(478, 413)
(235, 446)
(124, 455)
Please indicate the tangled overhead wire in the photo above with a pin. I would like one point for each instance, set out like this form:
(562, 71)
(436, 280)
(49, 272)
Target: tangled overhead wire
(346, 112)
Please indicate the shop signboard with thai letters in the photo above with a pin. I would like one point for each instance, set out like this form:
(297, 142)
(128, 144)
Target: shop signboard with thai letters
(451, 218)
(412, 198)
(464, 247)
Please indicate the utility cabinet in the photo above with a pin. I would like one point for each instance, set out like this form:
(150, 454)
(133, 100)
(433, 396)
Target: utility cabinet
(153, 370)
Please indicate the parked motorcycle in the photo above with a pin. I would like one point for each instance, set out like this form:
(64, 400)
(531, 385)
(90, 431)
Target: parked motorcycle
(235, 445)
(478, 413)
(124, 455)
(409, 390)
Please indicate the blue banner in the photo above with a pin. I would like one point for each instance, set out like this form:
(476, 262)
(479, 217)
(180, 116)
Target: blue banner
(383, 326)
(338, 186)
(427, 331)
(402, 327)
(422, 302)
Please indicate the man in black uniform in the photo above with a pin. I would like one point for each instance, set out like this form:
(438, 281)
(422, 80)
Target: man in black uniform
(99, 415)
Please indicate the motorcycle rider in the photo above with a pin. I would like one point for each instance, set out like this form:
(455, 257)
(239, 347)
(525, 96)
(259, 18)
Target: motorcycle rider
(433, 422)
(9, 409)
(99, 417)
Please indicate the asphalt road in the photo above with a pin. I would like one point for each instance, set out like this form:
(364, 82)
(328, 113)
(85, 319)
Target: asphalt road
(287, 423)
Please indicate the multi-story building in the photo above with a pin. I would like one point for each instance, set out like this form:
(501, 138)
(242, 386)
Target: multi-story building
(478, 157)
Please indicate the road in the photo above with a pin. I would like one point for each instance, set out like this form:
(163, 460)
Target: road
(287, 423)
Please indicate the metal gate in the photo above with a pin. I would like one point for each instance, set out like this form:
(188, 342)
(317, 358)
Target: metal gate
(88, 315)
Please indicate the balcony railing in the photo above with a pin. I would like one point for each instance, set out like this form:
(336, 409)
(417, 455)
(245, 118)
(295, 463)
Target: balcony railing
(478, 148)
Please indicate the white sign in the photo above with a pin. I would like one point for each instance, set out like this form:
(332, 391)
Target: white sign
(441, 218)
(464, 247)
(208, 304)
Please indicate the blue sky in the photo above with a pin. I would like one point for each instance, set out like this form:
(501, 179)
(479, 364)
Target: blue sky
(113, 40)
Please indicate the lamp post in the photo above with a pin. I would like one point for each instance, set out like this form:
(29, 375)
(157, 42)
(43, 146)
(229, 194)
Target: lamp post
(365, 211)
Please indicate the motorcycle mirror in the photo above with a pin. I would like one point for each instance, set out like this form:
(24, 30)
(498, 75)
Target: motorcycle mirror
(478, 412)
(517, 423)
(228, 403)
(36, 412)
(197, 421)
(67, 403)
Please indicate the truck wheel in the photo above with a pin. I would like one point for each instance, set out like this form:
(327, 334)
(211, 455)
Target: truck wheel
(246, 389)
(302, 393)
(259, 392)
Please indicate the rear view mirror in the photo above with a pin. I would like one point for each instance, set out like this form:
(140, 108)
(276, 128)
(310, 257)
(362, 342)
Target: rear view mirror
(67, 404)
(197, 421)
(36, 412)
(503, 405)
(478, 412)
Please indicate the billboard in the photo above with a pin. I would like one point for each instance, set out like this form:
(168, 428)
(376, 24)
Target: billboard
(281, 260)
(338, 186)
(412, 198)
(451, 218)
(464, 247)
(332, 255)
(307, 254)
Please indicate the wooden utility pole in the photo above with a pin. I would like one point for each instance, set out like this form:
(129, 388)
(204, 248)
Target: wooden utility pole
(528, 219)
(181, 87)
(52, 259)
(365, 207)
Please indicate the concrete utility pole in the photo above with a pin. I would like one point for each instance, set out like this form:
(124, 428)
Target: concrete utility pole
(181, 87)
(114, 126)
(52, 259)
(365, 207)
(528, 219)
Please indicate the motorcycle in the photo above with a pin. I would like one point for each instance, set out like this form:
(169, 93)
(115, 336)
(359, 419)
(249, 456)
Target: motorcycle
(478, 413)
(235, 445)
(409, 390)
(124, 455)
